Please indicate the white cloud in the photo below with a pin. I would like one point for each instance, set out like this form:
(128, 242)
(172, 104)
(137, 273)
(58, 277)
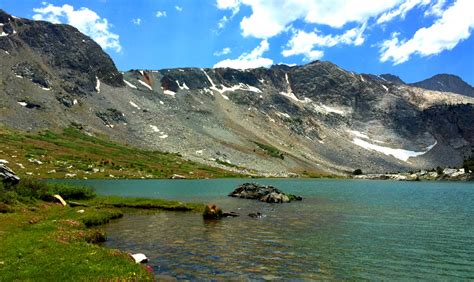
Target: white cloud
(250, 60)
(137, 21)
(455, 25)
(222, 22)
(401, 10)
(233, 5)
(435, 9)
(224, 51)
(84, 19)
(271, 17)
(160, 14)
(178, 8)
(303, 43)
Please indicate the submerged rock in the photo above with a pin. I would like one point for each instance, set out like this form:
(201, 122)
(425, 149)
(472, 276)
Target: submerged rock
(268, 194)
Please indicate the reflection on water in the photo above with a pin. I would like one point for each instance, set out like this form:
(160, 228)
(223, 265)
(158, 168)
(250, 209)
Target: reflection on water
(341, 230)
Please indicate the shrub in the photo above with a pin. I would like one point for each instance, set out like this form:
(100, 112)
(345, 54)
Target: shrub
(357, 172)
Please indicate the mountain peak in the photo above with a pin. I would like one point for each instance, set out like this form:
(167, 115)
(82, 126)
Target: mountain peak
(446, 83)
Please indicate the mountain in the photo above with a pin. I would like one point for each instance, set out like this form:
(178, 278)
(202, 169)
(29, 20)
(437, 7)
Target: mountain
(392, 78)
(278, 121)
(446, 83)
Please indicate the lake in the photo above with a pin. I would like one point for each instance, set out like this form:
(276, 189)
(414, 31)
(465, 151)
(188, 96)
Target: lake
(343, 229)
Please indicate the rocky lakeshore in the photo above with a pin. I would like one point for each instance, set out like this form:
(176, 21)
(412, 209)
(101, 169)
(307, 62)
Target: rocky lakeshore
(447, 174)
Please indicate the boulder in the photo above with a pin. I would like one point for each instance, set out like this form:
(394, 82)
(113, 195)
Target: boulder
(7, 175)
(268, 194)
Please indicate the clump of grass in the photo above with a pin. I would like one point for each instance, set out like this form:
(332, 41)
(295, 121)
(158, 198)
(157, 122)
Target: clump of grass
(270, 150)
(144, 203)
(100, 216)
(29, 190)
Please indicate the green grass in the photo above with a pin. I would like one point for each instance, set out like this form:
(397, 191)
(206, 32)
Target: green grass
(270, 150)
(42, 240)
(72, 153)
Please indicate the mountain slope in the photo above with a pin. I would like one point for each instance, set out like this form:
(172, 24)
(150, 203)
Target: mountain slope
(446, 83)
(311, 119)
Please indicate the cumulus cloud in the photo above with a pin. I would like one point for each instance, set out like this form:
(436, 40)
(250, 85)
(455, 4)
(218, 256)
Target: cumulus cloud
(137, 21)
(84, 19)
(303, 43)
(178, 8)
(160, 14)
(401, 10)
(454, 25)
(222, 52)
(271, 17)
(254, 59)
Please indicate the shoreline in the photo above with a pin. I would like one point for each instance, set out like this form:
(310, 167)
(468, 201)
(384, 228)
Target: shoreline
(38, 233)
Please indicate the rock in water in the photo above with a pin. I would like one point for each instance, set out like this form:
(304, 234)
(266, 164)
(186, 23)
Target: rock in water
(212, 212)
(7, 175)
(268, 194)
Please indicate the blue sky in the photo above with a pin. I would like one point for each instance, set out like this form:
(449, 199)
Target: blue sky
(414, 39)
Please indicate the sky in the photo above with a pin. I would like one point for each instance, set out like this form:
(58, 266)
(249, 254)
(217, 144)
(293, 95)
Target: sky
(414, 39)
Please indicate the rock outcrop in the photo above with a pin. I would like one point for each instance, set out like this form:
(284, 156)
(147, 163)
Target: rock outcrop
(7, 175)
(268, 194)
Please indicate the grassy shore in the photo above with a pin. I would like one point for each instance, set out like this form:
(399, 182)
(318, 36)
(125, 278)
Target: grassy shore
(41, 239)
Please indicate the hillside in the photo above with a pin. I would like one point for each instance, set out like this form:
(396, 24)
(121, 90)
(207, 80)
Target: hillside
(307, 120)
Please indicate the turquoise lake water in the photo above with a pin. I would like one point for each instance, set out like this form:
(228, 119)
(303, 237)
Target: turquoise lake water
(343, 229)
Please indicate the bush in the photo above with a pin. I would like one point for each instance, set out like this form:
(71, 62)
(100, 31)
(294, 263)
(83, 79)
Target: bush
(357, 172)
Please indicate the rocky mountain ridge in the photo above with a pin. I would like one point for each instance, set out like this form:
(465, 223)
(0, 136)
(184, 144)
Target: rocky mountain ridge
(446, 83)
(280, 121)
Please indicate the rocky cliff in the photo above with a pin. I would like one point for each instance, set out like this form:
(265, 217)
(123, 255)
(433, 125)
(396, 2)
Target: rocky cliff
(315, 118)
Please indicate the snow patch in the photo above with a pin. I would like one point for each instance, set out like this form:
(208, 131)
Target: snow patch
(45, 88)
(385, 87)
(163, 136)
(327, 109)
(400, 154)
(200, 152)
(24, 104)
(169, 92)
(145, 84)
(134, 105)
(162, 103)
(129, 84)
(97, 85)
(280, 114)
(182, 87)
(359, 134)
(362, 78)
(141, 72)
(3, 34)
(289, 92)
(19, 76)
(74, 102)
